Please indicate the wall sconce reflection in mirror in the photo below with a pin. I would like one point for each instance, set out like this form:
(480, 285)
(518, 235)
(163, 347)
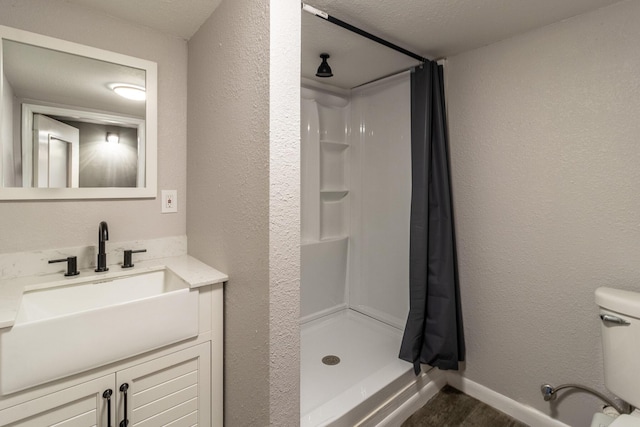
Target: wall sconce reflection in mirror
(113, 138)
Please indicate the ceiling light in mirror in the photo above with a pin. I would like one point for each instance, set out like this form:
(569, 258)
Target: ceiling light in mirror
(133, 92)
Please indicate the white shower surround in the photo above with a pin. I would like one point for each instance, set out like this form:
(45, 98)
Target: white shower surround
(324, 202)
(356, 195)
(381, 208)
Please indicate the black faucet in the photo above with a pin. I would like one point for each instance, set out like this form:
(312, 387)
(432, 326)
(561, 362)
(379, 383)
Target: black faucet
(103, 236)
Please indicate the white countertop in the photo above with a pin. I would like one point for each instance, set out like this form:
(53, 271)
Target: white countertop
(194, 272)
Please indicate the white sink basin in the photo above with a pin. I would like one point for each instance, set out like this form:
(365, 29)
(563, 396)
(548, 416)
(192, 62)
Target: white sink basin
(83, 324)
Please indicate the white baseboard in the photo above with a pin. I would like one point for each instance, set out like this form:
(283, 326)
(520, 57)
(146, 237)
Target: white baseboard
(395, 410)
(517, 410)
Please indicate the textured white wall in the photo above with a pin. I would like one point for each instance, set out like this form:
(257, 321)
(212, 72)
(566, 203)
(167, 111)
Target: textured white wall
(243, 209)
(39, 225)
(544, 144)
(284, 212)
(228, 193)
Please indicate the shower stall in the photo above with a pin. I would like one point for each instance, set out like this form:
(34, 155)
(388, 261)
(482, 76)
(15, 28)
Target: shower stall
(356, 199)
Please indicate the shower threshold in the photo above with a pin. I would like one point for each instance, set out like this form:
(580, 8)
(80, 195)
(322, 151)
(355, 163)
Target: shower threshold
(367, 374)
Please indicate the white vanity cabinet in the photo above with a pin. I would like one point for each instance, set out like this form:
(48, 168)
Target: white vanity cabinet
(172, 390)
(79, 405)
(180, 384)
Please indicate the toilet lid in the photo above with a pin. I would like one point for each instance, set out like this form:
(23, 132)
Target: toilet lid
(626, 421)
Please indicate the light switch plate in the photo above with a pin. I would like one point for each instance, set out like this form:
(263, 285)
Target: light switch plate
(169, 201)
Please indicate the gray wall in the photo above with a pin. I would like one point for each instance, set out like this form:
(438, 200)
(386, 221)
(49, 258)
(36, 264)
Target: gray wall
(243, 211)
(103, 164)
(544, 144)
(74, 223)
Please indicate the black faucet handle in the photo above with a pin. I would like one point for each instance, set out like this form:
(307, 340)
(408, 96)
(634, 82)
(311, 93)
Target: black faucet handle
(72, 265)
(127, 262)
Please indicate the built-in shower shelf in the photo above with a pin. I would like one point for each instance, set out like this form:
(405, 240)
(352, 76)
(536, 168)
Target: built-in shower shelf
(333, 195)
(334, 145)
(325, 153)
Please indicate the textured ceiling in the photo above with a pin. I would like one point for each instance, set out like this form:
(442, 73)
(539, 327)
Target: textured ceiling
(181, 18)
(431, 28)
(439, 28)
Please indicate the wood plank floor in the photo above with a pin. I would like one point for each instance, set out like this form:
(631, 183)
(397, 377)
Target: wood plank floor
(452, 408)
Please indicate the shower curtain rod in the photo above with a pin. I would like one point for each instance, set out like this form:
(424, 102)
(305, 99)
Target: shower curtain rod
(324, 15)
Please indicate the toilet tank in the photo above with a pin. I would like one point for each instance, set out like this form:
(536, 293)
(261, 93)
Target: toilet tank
(620, 328)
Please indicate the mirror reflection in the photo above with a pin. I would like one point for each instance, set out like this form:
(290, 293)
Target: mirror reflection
(65, 148)
(75, 118)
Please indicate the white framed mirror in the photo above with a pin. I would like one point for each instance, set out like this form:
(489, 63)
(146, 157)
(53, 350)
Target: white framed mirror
(65, 132)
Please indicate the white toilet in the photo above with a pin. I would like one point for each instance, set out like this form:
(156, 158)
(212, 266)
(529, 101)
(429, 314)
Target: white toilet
(620, 314)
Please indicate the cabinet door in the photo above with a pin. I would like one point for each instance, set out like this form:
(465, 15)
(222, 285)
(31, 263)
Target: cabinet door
(77, 406)
(173, 390)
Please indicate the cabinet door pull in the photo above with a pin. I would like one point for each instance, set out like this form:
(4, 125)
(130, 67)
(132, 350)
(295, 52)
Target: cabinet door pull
(123, 389)
(107, 395)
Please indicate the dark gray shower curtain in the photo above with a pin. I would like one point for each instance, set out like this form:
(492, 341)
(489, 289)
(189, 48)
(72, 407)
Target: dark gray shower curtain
(433, 334)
